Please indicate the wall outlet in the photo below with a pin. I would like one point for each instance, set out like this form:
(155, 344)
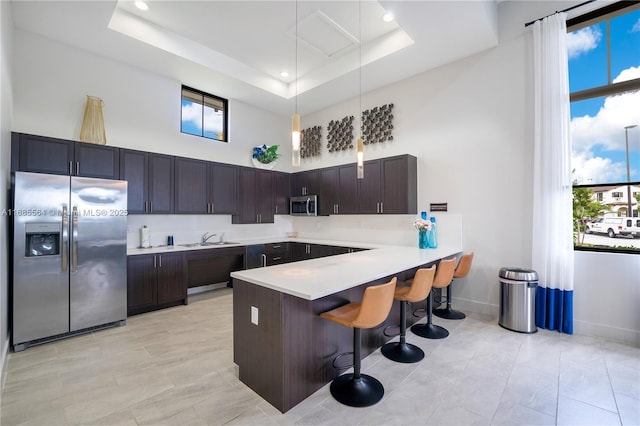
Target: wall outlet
(254, 315)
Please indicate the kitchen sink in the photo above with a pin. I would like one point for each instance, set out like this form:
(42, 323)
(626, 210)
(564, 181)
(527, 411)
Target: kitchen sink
(208, 243)
(217, 243)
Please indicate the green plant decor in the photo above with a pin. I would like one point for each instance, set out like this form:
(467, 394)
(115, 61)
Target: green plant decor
(266, 154)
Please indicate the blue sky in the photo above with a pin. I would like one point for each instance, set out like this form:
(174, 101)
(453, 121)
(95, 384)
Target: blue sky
(597, 125)
(192, 120)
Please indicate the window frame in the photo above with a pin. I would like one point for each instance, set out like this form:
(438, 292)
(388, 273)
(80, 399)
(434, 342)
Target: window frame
(213, 98)
(606, 14)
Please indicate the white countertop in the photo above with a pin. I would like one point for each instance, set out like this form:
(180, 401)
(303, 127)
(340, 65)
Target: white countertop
(132, 251)
(316, 278)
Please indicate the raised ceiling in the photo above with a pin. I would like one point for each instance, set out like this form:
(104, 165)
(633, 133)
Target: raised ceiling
(238, 49)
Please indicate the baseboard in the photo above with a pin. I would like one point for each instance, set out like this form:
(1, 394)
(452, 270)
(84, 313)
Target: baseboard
(623, 335)
(585, 328)
(4, 356)
(466, 305)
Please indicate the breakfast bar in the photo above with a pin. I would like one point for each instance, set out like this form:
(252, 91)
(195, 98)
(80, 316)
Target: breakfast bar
(283, 349)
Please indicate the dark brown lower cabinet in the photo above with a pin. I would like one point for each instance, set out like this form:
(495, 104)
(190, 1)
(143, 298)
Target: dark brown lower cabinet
(288, 355)
(155, 281)
(213, 266)
(304, 251)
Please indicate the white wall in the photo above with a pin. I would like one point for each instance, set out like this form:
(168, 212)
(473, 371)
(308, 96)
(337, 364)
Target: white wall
(141, 110)
(469, 123)
(6, 108)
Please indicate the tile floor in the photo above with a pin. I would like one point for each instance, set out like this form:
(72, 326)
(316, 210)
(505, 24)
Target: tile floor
(174, 367)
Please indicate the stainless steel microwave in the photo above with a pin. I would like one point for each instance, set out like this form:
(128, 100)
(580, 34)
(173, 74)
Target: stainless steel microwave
(306, 205)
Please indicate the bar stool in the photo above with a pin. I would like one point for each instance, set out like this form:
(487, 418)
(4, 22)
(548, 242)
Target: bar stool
(420, 287)
(444, 275)
(461, 271)
(355, 389)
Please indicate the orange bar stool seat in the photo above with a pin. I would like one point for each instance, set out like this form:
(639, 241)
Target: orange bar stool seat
(444, 275)
(464, 265)
(419, 290)
(355, 389)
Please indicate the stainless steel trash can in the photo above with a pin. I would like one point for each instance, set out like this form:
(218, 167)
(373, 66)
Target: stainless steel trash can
(517, 299)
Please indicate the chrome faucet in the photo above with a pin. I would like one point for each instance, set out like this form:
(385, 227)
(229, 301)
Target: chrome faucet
(206, 236)
(221, 238)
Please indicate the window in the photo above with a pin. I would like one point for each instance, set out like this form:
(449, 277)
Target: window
(204, 114)
(604, 81)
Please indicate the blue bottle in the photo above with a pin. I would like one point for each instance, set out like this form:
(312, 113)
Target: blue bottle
(433, 234)
(423, 215)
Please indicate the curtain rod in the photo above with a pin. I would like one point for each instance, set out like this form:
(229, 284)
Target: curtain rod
(561, 11)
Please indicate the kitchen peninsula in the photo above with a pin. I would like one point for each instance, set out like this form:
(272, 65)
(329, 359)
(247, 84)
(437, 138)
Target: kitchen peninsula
(282, 347)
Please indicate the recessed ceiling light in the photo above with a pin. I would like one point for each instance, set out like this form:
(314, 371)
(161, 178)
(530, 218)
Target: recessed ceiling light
(387, 17)
(141, 5)
(284, 74)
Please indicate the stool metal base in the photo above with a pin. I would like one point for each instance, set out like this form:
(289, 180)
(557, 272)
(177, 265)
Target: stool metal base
(449, 313)
(402, 352)
(361, 392)
(430, 331)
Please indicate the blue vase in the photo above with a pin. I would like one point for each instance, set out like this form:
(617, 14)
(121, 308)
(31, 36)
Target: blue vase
(423, 241)
(432, 237)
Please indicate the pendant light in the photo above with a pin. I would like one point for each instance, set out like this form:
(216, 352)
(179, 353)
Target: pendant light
(295, 125)
(360, 145)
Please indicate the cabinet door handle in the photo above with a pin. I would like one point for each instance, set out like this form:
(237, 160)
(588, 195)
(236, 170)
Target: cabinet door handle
(77, 168)
(211, 208)
(150, 206)
(276, 209)
(337, 208)
(381, 207)
(70, 167)
(154, 261)
(264, 260)
(277, 258)
(160, 260)
(276, 247)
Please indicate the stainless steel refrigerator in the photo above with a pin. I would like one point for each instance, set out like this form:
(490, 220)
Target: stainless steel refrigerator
(69, 256)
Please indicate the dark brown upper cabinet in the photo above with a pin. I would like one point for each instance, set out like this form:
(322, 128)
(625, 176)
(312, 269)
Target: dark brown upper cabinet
(256, 197)
(389, 186)
(305, 183)
(40, 154)
(204, 187)
(151, 181)
(281, 192)
(338, 190)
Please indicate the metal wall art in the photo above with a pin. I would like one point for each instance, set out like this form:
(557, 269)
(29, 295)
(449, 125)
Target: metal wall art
(310, 142)
(377, 124)
(340, 134)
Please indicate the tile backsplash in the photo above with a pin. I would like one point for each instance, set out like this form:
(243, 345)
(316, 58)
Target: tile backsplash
(383, 229)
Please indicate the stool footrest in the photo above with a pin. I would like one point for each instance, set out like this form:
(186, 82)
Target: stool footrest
(337, 357)
(420, 313)
(384, 331)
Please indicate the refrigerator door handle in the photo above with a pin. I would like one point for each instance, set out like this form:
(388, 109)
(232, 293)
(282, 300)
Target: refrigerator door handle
(74, 239)
(65, 238)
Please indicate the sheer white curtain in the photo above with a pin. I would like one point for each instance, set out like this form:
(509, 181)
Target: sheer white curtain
(552, 251)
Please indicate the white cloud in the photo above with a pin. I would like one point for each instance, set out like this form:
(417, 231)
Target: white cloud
(582, 41)
(605, 129)
(193, 113)
(628, 74)
(636, 27)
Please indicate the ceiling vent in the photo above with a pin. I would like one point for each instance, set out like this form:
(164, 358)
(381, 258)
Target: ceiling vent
(324, 35)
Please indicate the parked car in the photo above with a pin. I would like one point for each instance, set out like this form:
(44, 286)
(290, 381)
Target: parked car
(614, 226)
(631, 227)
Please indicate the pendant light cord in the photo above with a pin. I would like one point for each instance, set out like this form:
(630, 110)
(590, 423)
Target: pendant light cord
(296, 66)
(360, 64)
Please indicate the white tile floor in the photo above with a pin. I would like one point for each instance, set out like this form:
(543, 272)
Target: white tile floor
(174, 367)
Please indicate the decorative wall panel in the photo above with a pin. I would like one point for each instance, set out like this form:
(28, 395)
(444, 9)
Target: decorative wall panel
(340, 134)
(377, 124)
(310, 142)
